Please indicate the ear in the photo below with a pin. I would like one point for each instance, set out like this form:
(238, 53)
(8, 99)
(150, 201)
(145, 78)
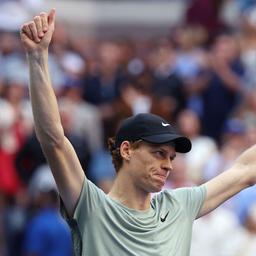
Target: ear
(125, 150)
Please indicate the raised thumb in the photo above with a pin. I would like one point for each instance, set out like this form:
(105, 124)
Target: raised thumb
(51, 16)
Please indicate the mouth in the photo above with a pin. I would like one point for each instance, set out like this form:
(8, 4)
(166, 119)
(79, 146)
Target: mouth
(161, 177)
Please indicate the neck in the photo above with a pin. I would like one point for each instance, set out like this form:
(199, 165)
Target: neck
(126, 192)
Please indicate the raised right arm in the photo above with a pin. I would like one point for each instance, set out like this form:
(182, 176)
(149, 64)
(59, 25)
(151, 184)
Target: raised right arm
(62, 159)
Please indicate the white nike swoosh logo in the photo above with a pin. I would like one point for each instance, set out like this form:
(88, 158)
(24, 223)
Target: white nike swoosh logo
(163, 124)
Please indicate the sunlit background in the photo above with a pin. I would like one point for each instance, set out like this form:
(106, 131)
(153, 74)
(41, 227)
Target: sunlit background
(191, 61)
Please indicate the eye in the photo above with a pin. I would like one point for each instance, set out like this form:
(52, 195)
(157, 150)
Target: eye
(159, 153)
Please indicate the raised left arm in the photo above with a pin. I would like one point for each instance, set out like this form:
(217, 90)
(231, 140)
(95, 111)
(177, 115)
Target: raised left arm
(240, 176)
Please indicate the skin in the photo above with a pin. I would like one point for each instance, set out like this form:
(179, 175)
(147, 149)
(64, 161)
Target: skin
(145, 169)
(59, 152)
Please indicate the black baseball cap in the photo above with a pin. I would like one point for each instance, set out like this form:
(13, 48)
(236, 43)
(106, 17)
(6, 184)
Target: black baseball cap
(153, 129)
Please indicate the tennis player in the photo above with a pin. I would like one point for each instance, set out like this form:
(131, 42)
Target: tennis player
(126, 221)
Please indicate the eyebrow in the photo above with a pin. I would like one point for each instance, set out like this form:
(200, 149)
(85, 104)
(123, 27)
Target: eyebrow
(172, 155)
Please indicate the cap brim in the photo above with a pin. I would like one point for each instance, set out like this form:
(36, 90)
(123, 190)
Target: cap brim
(182, 144)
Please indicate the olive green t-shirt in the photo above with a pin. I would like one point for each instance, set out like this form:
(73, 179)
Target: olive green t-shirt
(103, 227)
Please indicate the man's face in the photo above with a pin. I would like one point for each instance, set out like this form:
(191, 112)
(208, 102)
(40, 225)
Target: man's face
(150, 165)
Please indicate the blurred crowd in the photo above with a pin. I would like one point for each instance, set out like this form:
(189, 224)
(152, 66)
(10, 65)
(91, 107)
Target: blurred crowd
(200, 78)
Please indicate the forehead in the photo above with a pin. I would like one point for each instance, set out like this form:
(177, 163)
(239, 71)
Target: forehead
(169, 147)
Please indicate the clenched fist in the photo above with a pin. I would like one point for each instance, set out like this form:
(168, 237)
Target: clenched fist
(36, 34)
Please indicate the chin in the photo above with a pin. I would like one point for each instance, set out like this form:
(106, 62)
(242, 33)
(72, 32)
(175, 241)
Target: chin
(157, 189)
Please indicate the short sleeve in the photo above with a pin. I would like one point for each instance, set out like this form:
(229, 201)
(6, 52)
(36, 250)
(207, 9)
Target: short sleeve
(91, 197)
(192, 199)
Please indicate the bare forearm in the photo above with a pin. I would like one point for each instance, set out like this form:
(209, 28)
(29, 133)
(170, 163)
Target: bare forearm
(224, 186)
(36, 36)
(44, 104)
(240, 176)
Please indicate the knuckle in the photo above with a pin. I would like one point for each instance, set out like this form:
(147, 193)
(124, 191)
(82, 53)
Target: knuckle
(31, 24)
(24, 28)
(37, 18)
(43, 14)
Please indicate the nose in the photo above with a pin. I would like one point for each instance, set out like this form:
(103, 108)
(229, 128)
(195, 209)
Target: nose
(167, 165)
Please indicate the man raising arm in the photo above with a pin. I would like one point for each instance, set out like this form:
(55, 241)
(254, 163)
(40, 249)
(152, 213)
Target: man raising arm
(127, 221)
(36, 36)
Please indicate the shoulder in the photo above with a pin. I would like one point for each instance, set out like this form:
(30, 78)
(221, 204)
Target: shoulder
(187, 197)
(186, 191)
(179, 193)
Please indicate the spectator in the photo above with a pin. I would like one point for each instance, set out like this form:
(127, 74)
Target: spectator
(168, 88)
(46, 233)
(224, 86)
(9, 180)
(85, 118)
(203, 148)
(233, 143)
(208, 18)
